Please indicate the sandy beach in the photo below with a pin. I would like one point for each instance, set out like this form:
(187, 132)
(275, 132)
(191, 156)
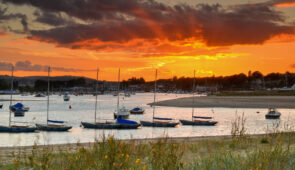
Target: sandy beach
(232, 102)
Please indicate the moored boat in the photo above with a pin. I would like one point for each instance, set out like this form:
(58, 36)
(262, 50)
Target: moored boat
(15, 128)
(66, 97)
(198, 120)
(122, 113)
(107, 124)
(52, 125)
(137, 110)
(273, 114)
(159, 121)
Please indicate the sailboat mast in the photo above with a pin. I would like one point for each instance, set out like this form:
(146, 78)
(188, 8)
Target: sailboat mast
(11, 91)
(155, 91)
(96, 96)
(193, 105)
(48, 96)
(118, 91)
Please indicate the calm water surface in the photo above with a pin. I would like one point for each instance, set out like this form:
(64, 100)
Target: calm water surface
(83, 110)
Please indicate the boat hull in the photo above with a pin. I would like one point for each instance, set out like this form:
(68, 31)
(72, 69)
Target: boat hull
(1, 105)
(198, 123)
(136, 112)
(159, 124)
(121, 116)
(272, 116)
(52, 128)
(17, 129)
(109, 125)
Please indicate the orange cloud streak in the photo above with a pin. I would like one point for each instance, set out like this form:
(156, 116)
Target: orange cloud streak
(286, 5)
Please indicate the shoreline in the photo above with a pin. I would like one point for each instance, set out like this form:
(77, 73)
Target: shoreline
(287, 102)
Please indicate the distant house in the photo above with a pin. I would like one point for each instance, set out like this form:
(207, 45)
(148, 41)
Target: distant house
(293, 87)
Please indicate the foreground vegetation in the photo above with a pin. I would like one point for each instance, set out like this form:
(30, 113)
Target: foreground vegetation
(239, 151)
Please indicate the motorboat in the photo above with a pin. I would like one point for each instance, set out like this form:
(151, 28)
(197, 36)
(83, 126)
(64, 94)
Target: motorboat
(1, 105)
(272, 114)
(137, 110)
(66, 97)
(122, 113)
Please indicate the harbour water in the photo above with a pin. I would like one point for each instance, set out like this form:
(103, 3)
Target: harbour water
(83, 110)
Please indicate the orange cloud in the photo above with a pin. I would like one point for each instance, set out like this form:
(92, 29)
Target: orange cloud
(286, 4)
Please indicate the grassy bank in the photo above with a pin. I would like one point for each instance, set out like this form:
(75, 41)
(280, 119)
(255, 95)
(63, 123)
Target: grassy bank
(256, 93)
(275, 151)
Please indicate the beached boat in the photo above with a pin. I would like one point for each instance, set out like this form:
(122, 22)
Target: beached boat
(273, 114)
(66, 97)
(137, 110)
(1, 105)
(159, 121)
(109, 124)
(15, 128)
(52, 125)
(198, 120)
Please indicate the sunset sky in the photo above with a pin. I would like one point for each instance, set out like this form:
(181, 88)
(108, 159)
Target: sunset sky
(214, 37)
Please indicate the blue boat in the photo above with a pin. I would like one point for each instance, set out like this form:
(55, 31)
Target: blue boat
(158, 121)
(52, 125)
(137, 110)
(17, 129)
(111, 125)
(120, 123)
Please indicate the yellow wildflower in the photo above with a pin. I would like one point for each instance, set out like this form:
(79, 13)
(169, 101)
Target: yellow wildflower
(114, 164)
(137, 160)
(106, 156)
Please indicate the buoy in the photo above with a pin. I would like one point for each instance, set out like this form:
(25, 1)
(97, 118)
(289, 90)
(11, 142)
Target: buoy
(70, 107)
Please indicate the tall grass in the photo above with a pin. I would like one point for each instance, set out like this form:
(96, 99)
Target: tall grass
(247, 153)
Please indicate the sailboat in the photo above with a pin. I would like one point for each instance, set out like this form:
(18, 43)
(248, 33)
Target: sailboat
(15, 128)
(158, 121)
(197, 120)
(122, 112)
(52, 125)
(118, 124)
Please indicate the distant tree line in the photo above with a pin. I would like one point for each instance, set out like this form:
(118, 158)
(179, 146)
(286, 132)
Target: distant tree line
(253, 81)
(42, 85)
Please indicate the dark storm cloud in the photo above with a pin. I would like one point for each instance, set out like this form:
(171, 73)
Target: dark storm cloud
(50, 18)
(28, 66)
(4, 17)
(121, 21)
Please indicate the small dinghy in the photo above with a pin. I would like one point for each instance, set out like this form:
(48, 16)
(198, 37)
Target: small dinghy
(137, 110)
(272, 114)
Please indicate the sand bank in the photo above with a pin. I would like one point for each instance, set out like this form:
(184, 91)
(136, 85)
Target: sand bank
(233, 102)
